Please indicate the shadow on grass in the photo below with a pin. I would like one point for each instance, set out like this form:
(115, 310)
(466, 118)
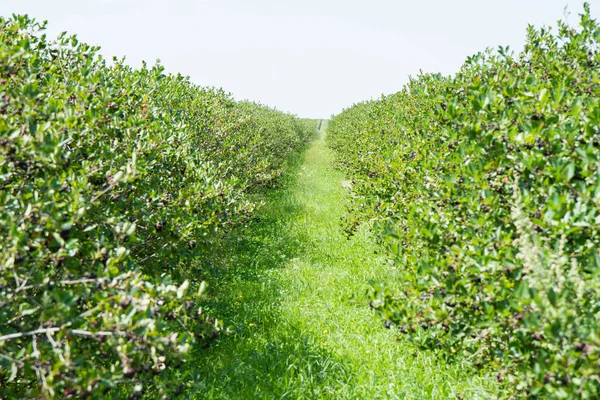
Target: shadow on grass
(266, 355)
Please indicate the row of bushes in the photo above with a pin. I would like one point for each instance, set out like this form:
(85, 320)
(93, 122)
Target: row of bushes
(112, 181)
(486, 188)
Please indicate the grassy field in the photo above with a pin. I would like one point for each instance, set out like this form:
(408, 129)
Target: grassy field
(300, 324)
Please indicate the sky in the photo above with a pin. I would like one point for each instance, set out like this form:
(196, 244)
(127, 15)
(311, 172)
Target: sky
(312, 58)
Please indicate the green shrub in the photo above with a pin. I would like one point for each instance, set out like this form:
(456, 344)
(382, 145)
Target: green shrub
(111, 181)
(486, 187)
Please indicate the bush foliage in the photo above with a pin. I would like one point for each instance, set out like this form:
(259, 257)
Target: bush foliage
(111, 181)
(486, 187)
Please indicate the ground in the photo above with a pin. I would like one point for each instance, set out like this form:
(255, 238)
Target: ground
(293, 288)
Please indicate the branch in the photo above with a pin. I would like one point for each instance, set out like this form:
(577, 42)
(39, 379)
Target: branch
(102, 280)
(80, 332)
(76, 332)
(69, 282)
(31, 333)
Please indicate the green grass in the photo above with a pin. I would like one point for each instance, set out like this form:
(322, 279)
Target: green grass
(292, 287)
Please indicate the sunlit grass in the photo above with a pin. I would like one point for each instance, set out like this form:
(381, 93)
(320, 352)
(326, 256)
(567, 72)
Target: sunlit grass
(292, 287)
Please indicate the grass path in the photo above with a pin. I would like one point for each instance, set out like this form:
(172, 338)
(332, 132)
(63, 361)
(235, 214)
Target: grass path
(294, 295)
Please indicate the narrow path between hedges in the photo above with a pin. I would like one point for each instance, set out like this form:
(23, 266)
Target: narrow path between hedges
(293, 288)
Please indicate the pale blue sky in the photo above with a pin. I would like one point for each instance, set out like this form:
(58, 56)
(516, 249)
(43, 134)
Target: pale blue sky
(309, 57)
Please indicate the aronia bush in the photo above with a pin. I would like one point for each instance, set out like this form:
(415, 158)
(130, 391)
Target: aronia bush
(486, 188)
(112, 179)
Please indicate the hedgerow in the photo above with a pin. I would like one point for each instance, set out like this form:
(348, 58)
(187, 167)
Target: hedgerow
(112, 179)
(486, 188)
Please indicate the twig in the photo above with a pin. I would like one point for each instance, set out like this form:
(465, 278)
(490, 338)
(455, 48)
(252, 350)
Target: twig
(155, 254)
(39, 372)
(19, 363)
(102, 193)
(56, 348)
